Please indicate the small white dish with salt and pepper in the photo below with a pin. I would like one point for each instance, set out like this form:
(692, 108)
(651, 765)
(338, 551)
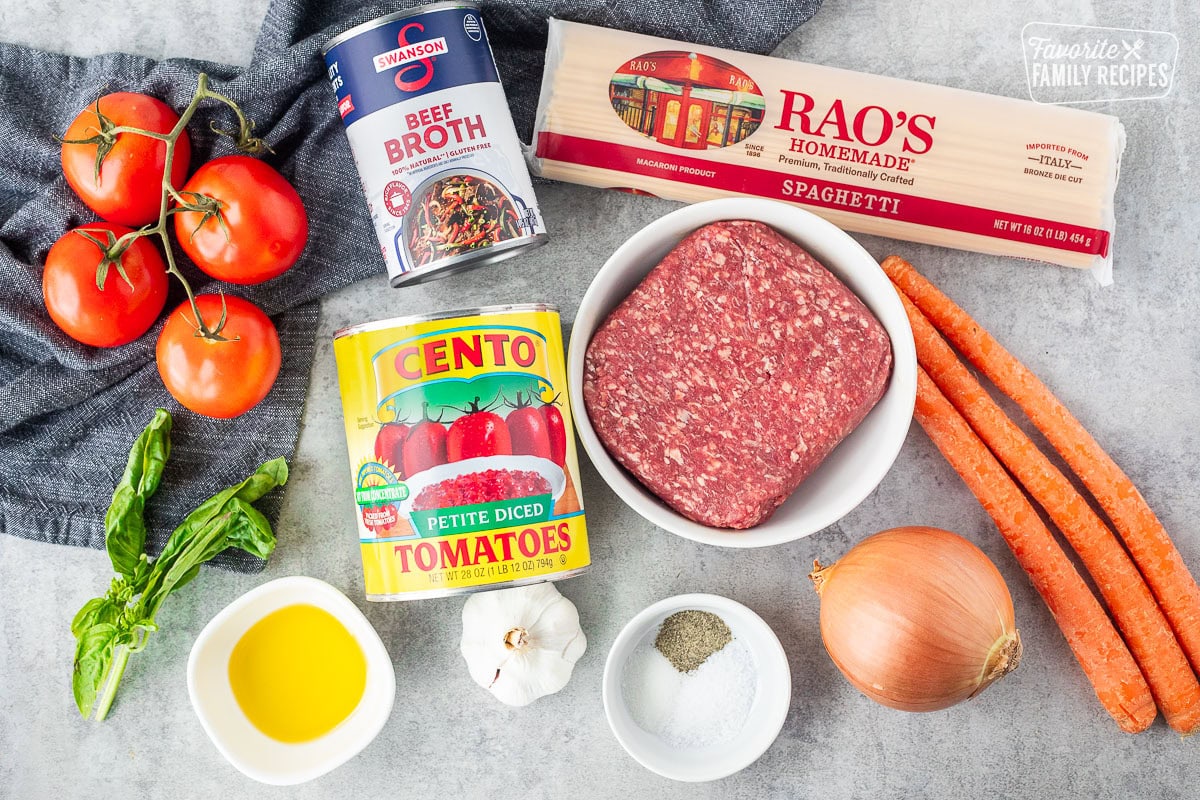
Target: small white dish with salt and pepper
(763, 721)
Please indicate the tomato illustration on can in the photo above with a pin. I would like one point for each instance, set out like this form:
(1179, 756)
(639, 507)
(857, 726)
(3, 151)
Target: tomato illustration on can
(557, 428)
(478, 433)
(425, 446)
(530, 430)
(461, 450)
(389, 444)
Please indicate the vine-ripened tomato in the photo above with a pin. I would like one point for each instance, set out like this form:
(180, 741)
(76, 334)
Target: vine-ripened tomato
(528, 431)
(389, 443)
(219, 378)
(121, 311)
(425, 445)
(261, 229)
(477, 433)
(556, 428)
(129, 188)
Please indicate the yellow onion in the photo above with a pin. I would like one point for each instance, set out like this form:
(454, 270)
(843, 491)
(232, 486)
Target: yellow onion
(917, 618)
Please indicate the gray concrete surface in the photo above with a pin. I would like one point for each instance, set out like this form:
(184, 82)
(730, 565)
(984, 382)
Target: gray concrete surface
(1124, 358)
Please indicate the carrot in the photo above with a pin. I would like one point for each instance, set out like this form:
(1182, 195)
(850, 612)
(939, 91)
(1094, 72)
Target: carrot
(1138, 616)
(1096, 644)
(1152, 549)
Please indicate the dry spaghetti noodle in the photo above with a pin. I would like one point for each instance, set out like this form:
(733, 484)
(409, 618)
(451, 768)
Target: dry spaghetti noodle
(872, 154)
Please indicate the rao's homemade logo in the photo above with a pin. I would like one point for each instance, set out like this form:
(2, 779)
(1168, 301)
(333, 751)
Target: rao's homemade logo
(852, 133)
(455, 358)
(415, 59)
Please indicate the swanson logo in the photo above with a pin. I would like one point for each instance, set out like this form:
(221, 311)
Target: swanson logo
(415, 59)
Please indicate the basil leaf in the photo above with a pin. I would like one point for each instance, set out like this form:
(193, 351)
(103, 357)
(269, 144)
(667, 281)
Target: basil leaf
(264, 479)
(205, 543)
(94, 612)
(269, 475)
(93, 658)
(243, 526)
(225, 520)
(124, 524)
(249, 530)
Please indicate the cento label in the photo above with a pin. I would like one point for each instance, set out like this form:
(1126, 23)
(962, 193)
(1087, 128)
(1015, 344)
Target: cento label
(462, 451)
(487, 355)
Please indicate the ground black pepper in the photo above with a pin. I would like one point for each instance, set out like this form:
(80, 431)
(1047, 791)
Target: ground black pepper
(688, 638)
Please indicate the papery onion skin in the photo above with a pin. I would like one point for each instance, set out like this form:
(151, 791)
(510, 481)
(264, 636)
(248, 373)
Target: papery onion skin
(917, 618)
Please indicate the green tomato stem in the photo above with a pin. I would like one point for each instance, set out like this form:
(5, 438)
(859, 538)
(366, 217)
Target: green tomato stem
(245, 141)
(119, 129)
(164, 203)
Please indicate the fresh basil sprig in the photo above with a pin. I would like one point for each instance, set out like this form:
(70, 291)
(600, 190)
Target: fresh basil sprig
(125, 524)
(108, 629)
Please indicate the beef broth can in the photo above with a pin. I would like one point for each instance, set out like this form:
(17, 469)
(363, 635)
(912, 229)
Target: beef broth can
(462, 451)
(434, 142)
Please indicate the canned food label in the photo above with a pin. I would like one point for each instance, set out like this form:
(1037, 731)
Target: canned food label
(462, 452)
(433, 139)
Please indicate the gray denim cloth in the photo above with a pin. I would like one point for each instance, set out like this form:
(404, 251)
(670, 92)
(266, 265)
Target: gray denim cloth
(69, 412)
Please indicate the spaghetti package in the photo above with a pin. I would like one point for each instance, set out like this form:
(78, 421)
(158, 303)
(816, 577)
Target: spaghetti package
(871, 154)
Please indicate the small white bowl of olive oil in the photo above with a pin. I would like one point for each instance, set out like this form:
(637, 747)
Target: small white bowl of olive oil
(290, 681)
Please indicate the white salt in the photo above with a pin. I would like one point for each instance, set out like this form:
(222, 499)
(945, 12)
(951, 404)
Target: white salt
(650, 686)
(691, 710)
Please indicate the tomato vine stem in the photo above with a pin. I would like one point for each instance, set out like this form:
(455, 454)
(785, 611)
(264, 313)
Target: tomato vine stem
(244, 140)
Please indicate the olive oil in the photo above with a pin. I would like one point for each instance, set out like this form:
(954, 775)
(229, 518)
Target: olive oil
(297, 673)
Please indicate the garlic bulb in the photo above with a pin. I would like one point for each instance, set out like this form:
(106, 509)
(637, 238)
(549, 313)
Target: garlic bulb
(521, 643)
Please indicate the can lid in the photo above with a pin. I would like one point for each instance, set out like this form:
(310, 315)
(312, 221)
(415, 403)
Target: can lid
(416, 11)
(514, 308)
(476, 258)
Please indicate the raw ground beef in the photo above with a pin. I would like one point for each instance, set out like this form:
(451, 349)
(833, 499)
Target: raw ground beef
(732, 371)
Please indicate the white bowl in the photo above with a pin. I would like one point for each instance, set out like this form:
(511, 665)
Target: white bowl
(767, 714)
(254, 753)
(856, 465)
